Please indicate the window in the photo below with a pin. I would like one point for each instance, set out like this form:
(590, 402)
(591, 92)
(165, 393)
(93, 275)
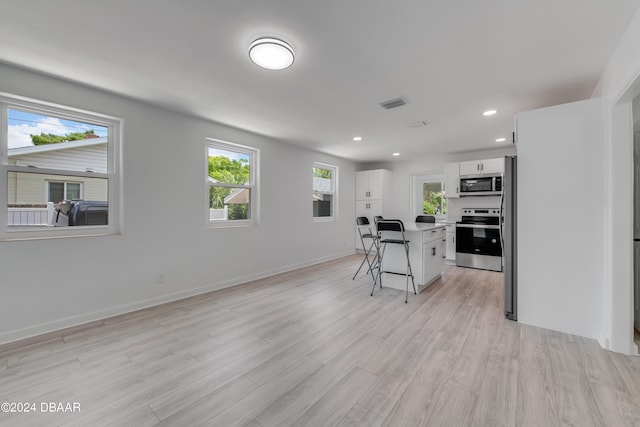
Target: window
(60, 190)
(325, 178)
(433, 199)
(50, 154)
(429, 195)
(232, 191)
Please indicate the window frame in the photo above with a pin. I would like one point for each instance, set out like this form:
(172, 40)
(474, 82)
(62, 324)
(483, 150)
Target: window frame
(114, 158)
(334, 192)
(253, 185)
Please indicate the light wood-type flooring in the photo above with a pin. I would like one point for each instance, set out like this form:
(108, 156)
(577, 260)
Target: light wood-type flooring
(312, 348)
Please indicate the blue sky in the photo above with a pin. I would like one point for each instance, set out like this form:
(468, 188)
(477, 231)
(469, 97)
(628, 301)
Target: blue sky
(215, 152)
(23, 124)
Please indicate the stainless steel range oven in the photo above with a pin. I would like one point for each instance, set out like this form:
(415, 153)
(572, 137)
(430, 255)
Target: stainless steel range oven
(478, 239)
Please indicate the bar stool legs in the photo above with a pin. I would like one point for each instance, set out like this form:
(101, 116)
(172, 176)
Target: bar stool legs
(398, 227)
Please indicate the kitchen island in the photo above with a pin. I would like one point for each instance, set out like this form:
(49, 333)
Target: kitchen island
(427, 245)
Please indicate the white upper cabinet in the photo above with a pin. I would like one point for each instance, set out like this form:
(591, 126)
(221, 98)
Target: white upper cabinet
(482, 167)
(371, 184)
(452, 183)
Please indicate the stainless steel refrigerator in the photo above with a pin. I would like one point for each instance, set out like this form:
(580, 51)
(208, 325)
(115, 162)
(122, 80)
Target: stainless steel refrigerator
(508, 235)
(636, 229)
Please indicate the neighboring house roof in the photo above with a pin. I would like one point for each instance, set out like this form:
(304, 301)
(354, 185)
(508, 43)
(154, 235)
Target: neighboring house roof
(83, 155)
(239, 196)
(21, 151)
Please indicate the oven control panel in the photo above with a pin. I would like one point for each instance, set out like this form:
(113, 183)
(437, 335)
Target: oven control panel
(481, 212)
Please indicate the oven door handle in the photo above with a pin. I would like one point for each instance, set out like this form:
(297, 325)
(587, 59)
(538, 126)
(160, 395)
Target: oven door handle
(487, 226)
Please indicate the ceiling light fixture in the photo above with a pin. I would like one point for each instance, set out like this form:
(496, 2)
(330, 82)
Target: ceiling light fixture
(501, 139)
(271, 53)
(396, 154)
(357, 138)
(489, 113)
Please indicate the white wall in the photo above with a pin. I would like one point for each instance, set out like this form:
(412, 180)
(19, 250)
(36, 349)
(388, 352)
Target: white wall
(50, 284)
(403, 172)
(560, 216)
(619, 84)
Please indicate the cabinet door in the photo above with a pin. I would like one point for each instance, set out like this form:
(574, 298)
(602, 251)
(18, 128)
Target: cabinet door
(362, 185)
(493, 166)
(429, 265)
(451, 246)
(452, 184)
(470, 168)
(376, 184)
(441, 254)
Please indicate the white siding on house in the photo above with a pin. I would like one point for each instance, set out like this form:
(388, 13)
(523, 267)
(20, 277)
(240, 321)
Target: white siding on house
(92, 158)
(31, 188)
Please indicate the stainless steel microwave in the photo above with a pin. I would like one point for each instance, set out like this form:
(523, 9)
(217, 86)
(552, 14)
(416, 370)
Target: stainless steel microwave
(481, 186)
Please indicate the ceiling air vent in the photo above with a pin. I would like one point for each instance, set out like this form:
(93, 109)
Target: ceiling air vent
(392, 103)
(420, 124)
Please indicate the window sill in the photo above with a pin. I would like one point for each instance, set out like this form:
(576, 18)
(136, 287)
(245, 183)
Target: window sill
(324, 219)
(232, 224)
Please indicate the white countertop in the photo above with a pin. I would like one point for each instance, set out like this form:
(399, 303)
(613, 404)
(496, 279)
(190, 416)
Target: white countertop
(422, 226)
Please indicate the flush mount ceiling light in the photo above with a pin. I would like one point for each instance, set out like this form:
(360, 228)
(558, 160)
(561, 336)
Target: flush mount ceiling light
(271, 53)
(357, 138)
(396, 154)
(489, 113)
(501, 139)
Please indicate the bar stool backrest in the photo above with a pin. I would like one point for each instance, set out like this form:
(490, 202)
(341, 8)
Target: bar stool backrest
(390, 225)
(362, 220)
(426, 218)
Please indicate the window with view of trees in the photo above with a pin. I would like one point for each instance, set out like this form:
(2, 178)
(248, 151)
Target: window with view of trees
(324, 190)
(433, 198)
(231, 177)
(51, 155)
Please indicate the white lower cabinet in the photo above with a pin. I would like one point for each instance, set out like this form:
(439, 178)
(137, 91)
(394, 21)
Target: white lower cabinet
(427, 254)
(433, 257)
(451, 243)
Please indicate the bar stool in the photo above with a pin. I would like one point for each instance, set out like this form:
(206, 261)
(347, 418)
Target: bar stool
(395, 225)
(363, 221)
(426, 218)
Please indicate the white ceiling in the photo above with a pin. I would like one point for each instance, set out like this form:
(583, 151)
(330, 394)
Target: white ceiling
(450, 60)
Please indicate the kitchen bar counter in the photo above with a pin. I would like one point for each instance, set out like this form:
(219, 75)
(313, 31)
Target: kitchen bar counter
(426, 252)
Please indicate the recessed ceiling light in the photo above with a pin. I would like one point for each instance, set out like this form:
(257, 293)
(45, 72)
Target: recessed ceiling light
(357, 138)
(271, 53)
(489, 113)
(501, 139)
(396, 154)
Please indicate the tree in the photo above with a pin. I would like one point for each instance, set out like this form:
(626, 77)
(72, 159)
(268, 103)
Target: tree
(321, 173)
(49, 138)
(228, 171)
(434, 203)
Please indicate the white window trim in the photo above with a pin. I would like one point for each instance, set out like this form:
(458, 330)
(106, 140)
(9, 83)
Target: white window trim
(254, 180)
(416, 190)
(114, 126)
(334, 193)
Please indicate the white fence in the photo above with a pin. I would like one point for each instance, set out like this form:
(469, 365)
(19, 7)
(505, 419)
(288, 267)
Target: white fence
(30, 216)
(219, 214)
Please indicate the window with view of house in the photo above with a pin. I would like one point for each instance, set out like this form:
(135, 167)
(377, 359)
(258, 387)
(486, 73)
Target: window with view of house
(232, 190)
(324, 191)
(55, 158)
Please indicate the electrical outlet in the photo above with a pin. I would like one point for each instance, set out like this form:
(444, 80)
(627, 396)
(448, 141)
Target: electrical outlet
(160, 279)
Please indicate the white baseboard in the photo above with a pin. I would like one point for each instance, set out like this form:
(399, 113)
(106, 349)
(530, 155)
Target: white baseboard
(60, 324)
